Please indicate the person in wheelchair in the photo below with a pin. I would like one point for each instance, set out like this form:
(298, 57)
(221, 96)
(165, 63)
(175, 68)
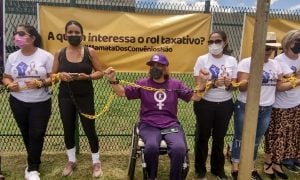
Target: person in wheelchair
(159, 96)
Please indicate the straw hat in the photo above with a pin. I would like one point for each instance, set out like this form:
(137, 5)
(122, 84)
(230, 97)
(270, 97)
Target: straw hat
(271, 40)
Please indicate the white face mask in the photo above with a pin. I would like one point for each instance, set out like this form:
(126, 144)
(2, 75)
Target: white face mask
(215, 49)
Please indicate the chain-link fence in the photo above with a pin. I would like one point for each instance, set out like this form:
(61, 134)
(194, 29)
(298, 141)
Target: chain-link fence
(114, 127)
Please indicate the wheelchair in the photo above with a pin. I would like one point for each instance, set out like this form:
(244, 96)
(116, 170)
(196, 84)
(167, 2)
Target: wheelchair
(137, 151)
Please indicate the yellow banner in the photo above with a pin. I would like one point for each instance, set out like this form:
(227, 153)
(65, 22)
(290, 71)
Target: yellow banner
(279, 26)
(126, 41)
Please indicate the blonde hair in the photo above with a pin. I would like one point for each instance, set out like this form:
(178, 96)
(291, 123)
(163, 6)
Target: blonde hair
(289, 39)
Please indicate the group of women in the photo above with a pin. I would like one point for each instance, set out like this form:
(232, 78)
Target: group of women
(278, 116)
(30, 71)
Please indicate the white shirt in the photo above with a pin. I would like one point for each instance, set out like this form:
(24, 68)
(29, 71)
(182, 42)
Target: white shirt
(290, 98)
(35, 66)
(217, 67)
(271, 71)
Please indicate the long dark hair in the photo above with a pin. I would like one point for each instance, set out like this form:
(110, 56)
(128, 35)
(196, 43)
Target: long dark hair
(223, 35)
(33, 32)
(75, 23)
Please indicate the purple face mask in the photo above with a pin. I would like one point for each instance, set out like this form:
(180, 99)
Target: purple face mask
(20, 41)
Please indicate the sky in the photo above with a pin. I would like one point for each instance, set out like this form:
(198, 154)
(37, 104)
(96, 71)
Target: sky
(275, 4)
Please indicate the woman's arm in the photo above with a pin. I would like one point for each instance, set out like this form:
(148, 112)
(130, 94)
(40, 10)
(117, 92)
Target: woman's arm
(110, 73)
(243, 80)
(98, 73)
(201, 82)
(9, 83)
(287, 82)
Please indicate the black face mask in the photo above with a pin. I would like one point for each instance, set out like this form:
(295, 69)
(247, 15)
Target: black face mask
(296, 48)
(74, 40)
(156, 73)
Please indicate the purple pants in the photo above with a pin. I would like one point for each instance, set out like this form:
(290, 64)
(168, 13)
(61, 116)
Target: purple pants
(177, 149)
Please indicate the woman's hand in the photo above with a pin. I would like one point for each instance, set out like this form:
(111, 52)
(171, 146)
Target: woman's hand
(203, 76)
(66, 77)
(33, 83)
(13, 87)
(110, 73)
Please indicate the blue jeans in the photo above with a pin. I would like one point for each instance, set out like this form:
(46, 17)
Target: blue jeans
(263, 121)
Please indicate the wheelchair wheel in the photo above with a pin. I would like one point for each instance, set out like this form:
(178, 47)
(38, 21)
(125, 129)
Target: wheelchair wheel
(133, 154)
(186, 166)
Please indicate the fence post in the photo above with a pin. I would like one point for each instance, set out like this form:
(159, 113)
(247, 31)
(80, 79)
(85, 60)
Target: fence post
(77, 143)
(207, 6)
(1, 176)
(72, 3)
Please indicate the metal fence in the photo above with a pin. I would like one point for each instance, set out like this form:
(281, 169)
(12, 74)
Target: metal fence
(114, 127)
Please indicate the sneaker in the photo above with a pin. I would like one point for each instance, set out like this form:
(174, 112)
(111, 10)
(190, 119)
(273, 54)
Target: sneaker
(32, 175)
(255, 176)
(69, 168)
(234, 175)
(291, 168)
(97, 171)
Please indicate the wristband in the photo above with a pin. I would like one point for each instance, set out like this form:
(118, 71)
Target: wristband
(90, 77)
(117, 81)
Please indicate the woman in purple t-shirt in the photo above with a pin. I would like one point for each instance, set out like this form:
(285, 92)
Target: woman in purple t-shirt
(159, 112)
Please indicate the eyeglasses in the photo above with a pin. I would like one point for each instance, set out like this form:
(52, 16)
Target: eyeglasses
(21, 33)
(270, 48)
(217, 41)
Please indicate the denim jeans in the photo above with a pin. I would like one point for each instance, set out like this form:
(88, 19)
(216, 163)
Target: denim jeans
(263, 121)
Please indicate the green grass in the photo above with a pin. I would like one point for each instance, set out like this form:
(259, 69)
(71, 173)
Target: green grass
(114, 165)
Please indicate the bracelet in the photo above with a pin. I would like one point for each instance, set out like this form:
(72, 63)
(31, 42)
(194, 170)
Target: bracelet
(90, 77)
(117, 81)
(198, 90)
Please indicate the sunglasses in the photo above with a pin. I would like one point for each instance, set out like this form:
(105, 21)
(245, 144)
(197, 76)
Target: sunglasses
(270, 48)
(21, 33)
(217, 41)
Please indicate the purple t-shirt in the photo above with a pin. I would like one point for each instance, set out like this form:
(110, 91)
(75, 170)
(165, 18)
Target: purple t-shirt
(159, 108)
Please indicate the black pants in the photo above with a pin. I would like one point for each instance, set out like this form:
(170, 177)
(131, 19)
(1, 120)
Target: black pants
(32, 119)
(212, 120)
(68, 113)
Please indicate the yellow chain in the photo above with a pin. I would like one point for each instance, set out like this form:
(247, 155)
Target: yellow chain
(105, 109)
(139, 86)
(207, 87)
(237, 84)
(292, 79)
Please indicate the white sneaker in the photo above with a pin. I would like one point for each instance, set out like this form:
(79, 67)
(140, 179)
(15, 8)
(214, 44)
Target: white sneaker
(32, 175)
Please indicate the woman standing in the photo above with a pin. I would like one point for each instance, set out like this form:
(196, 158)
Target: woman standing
(271, 77)
(75, 63)
(30, 101)
(214, 110)
(282, 140)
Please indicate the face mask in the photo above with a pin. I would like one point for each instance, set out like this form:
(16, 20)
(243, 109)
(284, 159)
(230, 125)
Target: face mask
(215, 49)
(20, 41)
(74, 40)
(156, 73)
(296, 48)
